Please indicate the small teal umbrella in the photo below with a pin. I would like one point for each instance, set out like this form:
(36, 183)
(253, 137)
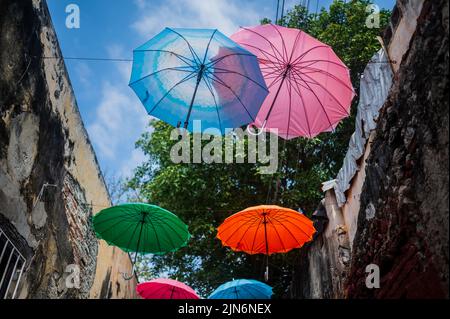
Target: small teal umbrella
(182, 75)
(242, 289)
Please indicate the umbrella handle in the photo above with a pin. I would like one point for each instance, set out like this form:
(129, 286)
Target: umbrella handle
(127, 276)
(266, 274)
(253, 132)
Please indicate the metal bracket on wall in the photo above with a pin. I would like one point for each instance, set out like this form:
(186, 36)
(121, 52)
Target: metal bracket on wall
(41, 192)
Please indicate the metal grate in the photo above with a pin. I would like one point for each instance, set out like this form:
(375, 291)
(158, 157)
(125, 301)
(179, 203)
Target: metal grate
(12, 264)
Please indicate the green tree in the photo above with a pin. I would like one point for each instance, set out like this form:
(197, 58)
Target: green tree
(203, 195)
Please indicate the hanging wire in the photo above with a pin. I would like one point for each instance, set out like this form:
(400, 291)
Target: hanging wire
(88, 58)
(282, 12)
(276, 17)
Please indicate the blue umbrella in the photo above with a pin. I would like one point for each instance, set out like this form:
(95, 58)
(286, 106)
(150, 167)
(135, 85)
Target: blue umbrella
(182, 75)
(242, 289)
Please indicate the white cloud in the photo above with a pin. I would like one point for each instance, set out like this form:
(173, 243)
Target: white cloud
(84, 73)
(224, 15)
(120, 119)
(117, 51)
(136, 158)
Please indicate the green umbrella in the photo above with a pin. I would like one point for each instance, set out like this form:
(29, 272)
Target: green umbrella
(141, 228)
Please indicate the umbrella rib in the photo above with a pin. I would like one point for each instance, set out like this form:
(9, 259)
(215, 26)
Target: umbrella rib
(168, 235)
(264, 52)
(274, 49)
(161, 287)
(243, 75)
(100, 222)
(176, 233)
(156, 234)
(113, 226)
(248, 228)
(249, 291)
(314, 70)
(179, 56)
(248, 219)
(251, 222)
(317, 98)
(232, 234)
(273, 70)
(276, 80)
(288, 221)
(256, 232)
(299, 63)
(159, 71)
(131, 238)
(255, 288)
(207, 47)
(218, 80)
(194, 54)
(268, 71)
(283, 218)
(300, 57)
(278, 234)
(166, 221)
(215, 102)
(295, 45)
(317, 83)
(187, 78)
(272, 77)
(213, 62)
(303, 105)
(282, 42)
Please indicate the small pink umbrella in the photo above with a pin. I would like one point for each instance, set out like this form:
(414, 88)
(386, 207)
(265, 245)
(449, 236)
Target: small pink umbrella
(309, 86)
(165, 289)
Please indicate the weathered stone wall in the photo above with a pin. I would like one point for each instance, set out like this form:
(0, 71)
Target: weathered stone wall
(324, 262)
(43, 140)
(407, 174)
(396, 210)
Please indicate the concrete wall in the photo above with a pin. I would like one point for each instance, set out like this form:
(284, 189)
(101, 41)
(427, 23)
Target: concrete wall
(43, 140)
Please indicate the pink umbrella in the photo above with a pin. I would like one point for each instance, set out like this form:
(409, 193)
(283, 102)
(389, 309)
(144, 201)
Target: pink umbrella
(309, 86)
(165, 289)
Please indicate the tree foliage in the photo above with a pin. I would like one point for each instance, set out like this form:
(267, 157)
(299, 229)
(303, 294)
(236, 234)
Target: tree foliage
(203, 195)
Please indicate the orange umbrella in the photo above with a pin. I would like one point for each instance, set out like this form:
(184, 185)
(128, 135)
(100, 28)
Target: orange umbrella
(266, 229)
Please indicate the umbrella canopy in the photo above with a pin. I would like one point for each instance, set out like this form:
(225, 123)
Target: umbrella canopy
(141, 228)
(165, 289)
(310, 87)
(266, 229)
(182, 75)
(242, 289)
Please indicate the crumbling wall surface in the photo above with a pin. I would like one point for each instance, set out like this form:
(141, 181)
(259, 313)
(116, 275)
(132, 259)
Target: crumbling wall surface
(404, 218)
(43, 140)
(323, 264)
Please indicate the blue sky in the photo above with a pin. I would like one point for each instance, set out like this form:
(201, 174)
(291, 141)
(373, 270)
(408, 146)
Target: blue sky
(112, 114)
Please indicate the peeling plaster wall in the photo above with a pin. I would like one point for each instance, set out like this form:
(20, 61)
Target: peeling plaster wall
(324, 263)
(43, 140)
